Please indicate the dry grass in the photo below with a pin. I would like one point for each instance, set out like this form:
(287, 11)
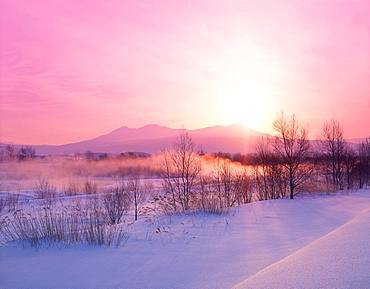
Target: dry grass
(67, 225)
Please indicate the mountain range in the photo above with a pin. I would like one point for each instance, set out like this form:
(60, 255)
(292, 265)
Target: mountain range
(153, 138)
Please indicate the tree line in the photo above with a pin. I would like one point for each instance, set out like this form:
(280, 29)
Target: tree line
(291, 160)
(282, 166)
(12, 152)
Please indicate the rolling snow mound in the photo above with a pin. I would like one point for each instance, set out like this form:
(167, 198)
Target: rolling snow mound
(339, 259)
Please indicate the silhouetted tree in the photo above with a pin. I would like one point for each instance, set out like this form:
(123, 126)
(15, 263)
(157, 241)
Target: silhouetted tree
(269, 173)
(364, 163)
(333, 148)
(181, 167)
(10, 152)
(350, 162)
(292, 146)
(26, 152)
(137, 192)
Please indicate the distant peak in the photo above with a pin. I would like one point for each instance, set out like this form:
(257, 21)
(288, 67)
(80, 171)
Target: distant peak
(148, 126)
(152, 125)
(120, 128)
(237, 125)
(244, 129)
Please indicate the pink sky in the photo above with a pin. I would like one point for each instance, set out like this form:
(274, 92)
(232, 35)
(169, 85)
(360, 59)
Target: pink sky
(71, 70)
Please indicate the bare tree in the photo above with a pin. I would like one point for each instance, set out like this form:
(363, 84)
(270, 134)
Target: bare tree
(292, 146)
(181, 167)
(10, 152)
(137, 192)
(364, 163)
(350, 160)
(269, 173)
(26, 152)
(333, 147)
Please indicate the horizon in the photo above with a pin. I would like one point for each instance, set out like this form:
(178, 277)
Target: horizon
(269, 134)
(140, 127)
(68, 73)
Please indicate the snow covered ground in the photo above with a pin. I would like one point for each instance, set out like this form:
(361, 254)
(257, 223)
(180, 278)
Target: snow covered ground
(340, 259)
(309, 242)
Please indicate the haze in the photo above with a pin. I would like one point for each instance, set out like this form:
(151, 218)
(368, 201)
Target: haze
(72, 70)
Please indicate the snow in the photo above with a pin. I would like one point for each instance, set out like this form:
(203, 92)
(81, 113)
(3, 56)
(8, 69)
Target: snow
(341, 259)
(318, 242)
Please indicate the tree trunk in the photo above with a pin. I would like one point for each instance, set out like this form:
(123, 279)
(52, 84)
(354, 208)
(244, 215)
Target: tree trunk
(291, 184)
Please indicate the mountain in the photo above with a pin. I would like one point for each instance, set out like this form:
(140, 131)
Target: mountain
(153, 138)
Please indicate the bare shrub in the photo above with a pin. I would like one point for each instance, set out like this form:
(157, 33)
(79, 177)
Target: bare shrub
(223, 189)
(208, 199)
(98, 232)
(186, 190)
(243, 188)
(116, 203)
(12, 201)
(68, 226)
(90, 187)
(71, 189)
(223, 182)
(9, 201)
(2, 204)
(160, 204)
(45, 190)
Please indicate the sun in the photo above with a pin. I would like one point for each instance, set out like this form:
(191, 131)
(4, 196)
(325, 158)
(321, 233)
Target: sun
(243, 103)
(246, 100)
(246, 95)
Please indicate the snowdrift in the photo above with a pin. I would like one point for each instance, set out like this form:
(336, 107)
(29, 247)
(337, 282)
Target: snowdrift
(340, 259)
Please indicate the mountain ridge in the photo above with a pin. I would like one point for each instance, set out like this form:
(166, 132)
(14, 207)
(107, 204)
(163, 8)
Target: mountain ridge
(152, 138)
